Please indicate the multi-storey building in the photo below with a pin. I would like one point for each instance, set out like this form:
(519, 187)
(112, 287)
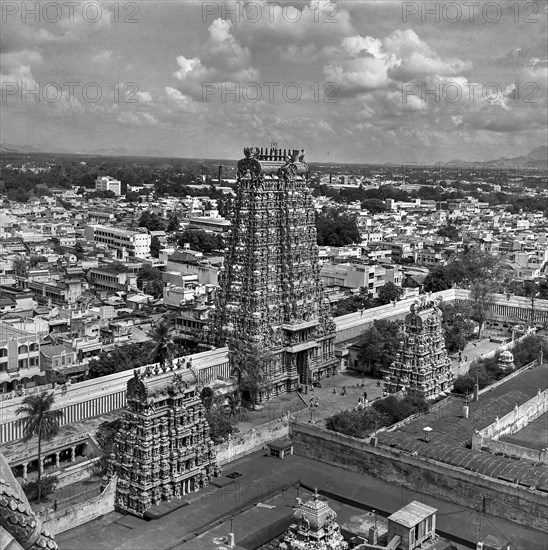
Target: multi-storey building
(106, 183)
(109, 279)
(19, 358)
(163, 450)
(128, 244)
(422, 363)
(270, 291)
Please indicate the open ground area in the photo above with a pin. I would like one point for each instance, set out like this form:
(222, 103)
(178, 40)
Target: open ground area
(533, 436)
(263, 476)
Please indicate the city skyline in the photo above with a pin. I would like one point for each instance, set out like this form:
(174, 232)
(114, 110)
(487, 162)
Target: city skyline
(344, 80)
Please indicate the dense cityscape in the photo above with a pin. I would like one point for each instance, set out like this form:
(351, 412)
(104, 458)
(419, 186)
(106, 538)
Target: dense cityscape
(272, 345)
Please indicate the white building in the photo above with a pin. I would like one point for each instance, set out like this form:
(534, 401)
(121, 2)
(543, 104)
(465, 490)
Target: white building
(127, 243)
(106, 183)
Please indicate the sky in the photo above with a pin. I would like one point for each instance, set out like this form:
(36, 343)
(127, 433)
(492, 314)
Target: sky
(362, 81)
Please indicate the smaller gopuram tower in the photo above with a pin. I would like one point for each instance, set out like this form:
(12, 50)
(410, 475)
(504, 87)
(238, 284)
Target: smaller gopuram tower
(315, 528)
(422, 363)
(163, 449)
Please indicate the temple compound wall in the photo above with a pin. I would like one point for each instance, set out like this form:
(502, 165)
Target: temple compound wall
(271, 296)
(465, 487)
(422, 364)
(163, 450)
(488, 438)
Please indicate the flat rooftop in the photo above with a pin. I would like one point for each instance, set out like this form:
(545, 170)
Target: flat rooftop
(256, 499)
(452, 434)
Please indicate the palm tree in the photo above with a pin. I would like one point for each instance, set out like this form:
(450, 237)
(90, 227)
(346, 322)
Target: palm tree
(41, 420)
(162, 336)
(249, 364)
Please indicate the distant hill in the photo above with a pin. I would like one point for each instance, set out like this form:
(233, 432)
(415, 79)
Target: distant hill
(537, 159)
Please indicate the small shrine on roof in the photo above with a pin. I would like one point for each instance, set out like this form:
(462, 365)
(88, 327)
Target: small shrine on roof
(315, 527)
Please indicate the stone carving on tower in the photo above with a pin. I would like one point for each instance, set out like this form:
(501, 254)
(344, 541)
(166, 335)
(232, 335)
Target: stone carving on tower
(422, 363)
(163, 450)
(314, 528)
(270, 292)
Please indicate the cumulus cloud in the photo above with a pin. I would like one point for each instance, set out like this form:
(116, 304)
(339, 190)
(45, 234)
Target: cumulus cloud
(363, 63)
(222, 59)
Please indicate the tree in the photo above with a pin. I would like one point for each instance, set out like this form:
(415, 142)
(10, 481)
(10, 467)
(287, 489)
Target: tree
(151, 221)
(202, 241)
(105, 436)
(336, 227)
(457, 325)
(162, 336)
(361, 301)
(40, 420)
(438, 279)
(36, 260)
(173, 222)
(379, 345)
(79, 250)
(389, 292)
(481, 301)
(149, 279)
(20, 267)
(119, 359)
(250, 364)
(155, 247)
(449, 231)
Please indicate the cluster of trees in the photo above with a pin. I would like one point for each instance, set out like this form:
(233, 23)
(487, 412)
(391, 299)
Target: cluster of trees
(203, 241)
(487, 371)
(149, 280)
(457, 325)
(383, 412)
(221, 413)
(105, 436)
(363, 300)
(336, 227)
(378, 346)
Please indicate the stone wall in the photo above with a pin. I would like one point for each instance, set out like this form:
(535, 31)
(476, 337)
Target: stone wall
(241, 445)
(68, 518)
(492, 496)
(514, 421)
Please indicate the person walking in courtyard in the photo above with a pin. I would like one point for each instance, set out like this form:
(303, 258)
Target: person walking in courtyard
(343, 391)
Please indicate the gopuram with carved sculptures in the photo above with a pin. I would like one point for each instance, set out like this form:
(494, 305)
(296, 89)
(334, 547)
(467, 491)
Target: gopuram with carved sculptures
(163, 450)
(270, 292)
(422, 363)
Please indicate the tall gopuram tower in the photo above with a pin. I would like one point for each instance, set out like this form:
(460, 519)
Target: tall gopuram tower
(163, 449)
(270, 292)
(422, 363)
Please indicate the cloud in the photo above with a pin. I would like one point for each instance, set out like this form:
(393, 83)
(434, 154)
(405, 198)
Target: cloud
(365, 63)
(102, 57)
(223, 59)
(143, 97)
(137, 119)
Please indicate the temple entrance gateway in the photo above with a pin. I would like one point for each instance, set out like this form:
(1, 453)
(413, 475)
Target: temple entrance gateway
(270, 296)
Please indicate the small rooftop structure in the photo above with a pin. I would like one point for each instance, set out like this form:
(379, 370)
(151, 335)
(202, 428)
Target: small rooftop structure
(414, 523)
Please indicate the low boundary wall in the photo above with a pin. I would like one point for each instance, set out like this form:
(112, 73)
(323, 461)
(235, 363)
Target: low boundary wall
(68, 518)
(488, 438)
(491, 496)
(241, 445)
